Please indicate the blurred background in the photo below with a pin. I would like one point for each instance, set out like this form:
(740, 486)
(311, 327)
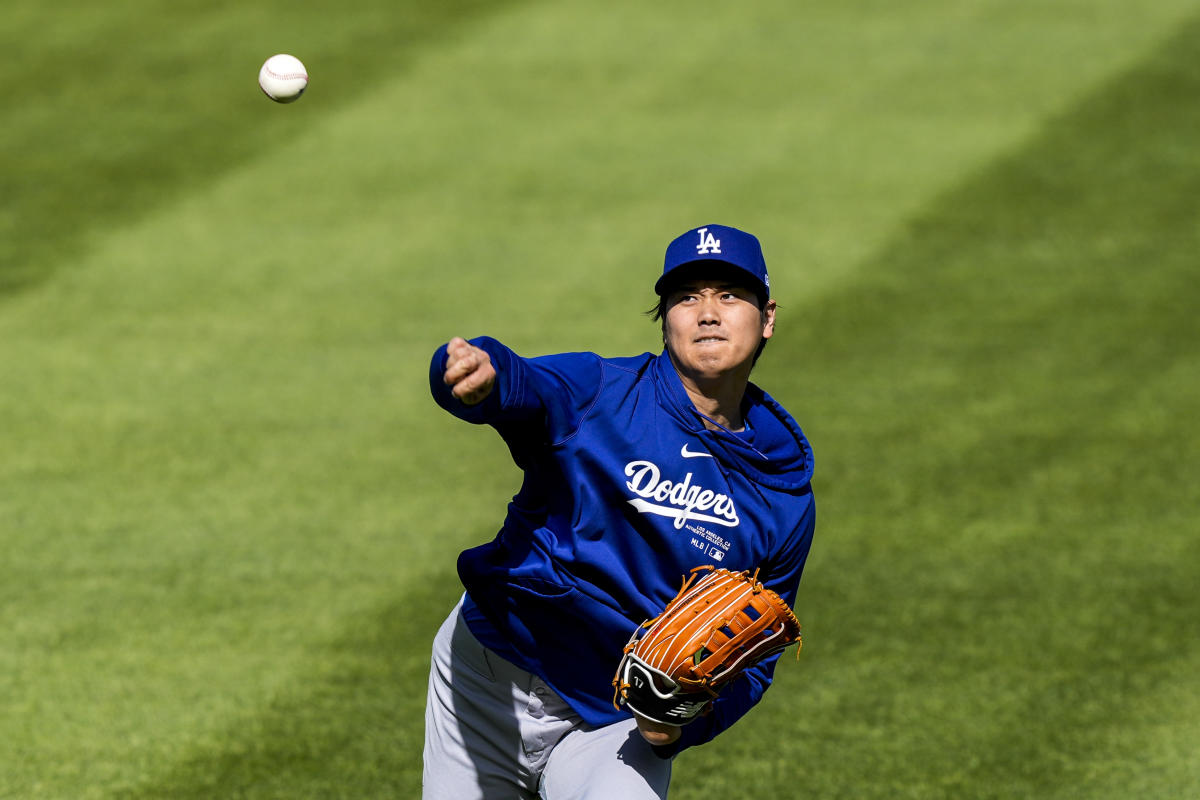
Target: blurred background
(229, 511)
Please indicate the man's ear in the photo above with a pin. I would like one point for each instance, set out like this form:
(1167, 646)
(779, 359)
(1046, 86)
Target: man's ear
(768, 316)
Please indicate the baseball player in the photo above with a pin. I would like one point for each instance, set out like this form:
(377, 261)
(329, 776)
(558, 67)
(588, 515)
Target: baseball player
(636, 470)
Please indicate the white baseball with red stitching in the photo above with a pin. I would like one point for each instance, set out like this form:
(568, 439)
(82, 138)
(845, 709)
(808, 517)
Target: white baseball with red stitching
(283, 78)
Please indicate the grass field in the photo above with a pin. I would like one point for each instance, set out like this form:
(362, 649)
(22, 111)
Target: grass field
(229, 511)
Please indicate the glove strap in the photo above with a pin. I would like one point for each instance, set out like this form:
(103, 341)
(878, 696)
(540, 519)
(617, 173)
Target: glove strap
(638, 687)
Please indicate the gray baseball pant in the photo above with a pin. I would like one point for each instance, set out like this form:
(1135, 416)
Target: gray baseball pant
(496, 732)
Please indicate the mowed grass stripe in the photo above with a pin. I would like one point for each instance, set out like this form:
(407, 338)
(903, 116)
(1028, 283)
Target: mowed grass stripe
(263, 444)
(111, 111)
(1003, 601)
(964, 623)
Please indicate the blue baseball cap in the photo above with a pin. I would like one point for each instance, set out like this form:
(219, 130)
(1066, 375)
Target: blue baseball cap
(717, 244)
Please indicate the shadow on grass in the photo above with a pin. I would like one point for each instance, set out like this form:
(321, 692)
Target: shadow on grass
(353, 727)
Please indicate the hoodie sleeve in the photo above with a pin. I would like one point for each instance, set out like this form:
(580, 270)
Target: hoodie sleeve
(557, 390)
(742, 694)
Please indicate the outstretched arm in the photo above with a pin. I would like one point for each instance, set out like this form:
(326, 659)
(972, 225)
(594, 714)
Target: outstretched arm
(483, 382)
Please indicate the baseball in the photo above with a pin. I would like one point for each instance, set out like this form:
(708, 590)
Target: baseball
(283, 78)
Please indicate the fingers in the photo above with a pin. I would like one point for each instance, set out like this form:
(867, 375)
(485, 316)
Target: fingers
(462, 360)
(469, 371)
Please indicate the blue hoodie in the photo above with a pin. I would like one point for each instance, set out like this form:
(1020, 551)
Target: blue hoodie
(624, 492)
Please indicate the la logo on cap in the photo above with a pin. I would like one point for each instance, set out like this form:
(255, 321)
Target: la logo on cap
(708, 244)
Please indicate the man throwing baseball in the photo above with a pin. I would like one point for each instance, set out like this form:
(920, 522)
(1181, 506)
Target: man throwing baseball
(637, 470)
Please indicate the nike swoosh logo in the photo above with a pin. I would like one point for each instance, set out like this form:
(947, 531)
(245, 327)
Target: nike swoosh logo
(691, 454)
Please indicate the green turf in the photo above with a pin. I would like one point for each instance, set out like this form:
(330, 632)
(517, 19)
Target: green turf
(229, 512)
(124, 109)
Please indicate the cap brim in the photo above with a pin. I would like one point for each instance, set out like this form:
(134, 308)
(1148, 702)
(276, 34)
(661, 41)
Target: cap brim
(715, 266)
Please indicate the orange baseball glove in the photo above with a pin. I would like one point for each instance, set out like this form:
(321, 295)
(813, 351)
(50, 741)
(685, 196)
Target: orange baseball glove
(718, 626)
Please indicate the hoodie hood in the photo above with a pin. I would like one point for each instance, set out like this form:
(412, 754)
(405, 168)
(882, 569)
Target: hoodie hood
(772, 450)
